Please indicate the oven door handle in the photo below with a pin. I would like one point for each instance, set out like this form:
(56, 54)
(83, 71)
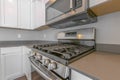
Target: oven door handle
(48, 75)
(40, 72)
(71, 4)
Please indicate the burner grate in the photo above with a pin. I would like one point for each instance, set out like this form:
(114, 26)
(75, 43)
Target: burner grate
(64, 51)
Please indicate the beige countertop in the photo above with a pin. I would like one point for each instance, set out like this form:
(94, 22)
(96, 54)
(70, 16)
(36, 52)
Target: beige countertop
(102, 65)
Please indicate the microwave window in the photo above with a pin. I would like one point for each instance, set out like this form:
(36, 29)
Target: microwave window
(58, 8)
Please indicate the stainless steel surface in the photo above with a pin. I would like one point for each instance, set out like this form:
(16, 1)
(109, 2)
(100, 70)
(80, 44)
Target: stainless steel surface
(55, 67)
(52, 66)
(65, 10)
(68, 17)
(81, 34)
(43, 71)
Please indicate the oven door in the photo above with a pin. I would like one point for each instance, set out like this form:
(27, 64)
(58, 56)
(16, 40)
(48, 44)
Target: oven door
(44, 72)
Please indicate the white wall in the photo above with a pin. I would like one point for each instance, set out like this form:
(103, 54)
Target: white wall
(108, 29)
(12, 35)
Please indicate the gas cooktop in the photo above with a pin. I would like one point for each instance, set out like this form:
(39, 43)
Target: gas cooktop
(66, 52)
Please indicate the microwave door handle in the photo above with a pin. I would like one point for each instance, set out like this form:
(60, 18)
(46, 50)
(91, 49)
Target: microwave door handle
(71, 4)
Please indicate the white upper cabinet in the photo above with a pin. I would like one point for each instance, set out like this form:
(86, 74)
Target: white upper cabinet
(9, 13)
(37, 13)
(96, 2)
(24, 14)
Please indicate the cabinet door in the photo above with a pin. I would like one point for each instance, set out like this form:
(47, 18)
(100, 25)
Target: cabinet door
(78, 76)
(12, 65)
(96, 2)
(26, 63)
(24, 14)
(9, 13)
(37, 13)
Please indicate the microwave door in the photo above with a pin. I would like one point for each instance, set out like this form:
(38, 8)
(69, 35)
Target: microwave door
(60, 7)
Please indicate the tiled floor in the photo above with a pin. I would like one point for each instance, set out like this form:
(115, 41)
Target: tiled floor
(35, 76)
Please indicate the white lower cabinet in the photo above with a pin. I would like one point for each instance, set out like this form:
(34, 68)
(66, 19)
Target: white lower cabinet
(14, 63)
(78, 76)
(26, 62)
(11, 63)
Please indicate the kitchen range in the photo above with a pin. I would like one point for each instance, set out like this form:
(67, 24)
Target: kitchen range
(51, 59)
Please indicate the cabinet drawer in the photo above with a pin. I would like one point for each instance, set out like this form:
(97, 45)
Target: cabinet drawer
(10, 49)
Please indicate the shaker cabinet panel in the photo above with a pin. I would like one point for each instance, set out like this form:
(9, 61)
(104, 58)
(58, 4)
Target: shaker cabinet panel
(24, 15)
(11, 63)
(26, 62)
(12, 66)
(9, 13)
(37, 13)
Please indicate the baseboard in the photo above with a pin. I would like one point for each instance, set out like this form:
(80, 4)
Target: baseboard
(15, 77)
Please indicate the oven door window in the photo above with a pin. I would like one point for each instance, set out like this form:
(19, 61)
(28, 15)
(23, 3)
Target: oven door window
(57, 9)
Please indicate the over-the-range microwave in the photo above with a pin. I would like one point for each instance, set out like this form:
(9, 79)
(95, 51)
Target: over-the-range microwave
(69, 11)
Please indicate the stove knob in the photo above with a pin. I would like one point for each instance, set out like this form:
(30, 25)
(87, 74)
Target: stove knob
(39, 57)
(46, 62)
(34, 53)
(52, 66)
